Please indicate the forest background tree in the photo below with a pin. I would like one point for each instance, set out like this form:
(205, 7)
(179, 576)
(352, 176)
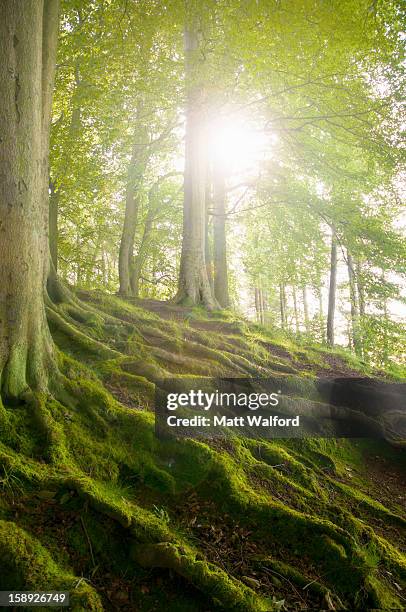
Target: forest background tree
(332, 131)
(194, 286)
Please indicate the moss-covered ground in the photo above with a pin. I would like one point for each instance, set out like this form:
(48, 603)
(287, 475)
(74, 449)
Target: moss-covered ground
(92, 502)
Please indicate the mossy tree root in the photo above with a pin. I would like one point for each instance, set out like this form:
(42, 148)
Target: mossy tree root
(84, 341)
(337, 551)
(211, 580)
(27, 565)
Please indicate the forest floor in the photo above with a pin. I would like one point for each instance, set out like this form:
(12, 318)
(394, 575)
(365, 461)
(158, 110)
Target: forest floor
(92, 502)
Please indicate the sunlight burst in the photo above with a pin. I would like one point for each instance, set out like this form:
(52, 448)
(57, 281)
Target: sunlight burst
(236, 144)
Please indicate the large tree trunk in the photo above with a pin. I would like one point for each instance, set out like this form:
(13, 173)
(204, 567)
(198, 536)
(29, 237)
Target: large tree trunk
(332, 292)
(28, 31)
(194, 286)
(219, 240)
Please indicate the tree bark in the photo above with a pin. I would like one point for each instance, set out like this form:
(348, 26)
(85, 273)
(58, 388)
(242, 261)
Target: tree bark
(193, 286)
(53, 224)
(28, 31)
(332, 291)
(219, 240)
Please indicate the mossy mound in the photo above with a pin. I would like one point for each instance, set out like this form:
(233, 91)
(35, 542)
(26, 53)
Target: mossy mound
(92, 502)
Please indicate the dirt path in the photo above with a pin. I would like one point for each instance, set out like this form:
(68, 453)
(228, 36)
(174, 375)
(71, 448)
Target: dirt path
(333, 366)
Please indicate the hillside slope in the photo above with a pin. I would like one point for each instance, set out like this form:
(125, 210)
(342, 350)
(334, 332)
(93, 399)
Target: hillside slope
(93, 503)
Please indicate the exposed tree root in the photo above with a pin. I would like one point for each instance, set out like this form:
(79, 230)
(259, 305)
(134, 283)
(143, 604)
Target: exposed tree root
(232, 595)
(83, 341)
(27, 565)
(83, 443)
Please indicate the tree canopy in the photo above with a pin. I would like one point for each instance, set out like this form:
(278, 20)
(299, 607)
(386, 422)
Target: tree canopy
(300, 109)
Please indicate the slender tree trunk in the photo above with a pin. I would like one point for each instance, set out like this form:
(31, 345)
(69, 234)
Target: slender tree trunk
(385, 348)
(56, 186)
(361, 289)
(78, 271)
(219, 240)
(321, 315)
(306, 309)
(135, 173)
(384, 299)
(354, 305)
(282, 300)
(139, 259)
(142, 251)
(263, 306)
(295, 310)
(28, 32)
(90, 269)
(260, 305)
(207, 237)
(257, 305)
(332, 291)
(349, 335)
(193, 285)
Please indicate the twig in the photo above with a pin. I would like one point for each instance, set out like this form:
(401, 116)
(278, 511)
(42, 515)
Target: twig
(311, 582)
(88, 541)
(267, 569)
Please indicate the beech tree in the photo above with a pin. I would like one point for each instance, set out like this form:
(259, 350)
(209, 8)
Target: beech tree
(194, 286)
(28, 31)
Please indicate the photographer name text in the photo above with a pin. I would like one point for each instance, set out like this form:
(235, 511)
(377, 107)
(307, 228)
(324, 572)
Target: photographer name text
(250, 420)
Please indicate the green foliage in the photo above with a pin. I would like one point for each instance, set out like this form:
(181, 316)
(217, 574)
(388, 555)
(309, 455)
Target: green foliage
(322, 80)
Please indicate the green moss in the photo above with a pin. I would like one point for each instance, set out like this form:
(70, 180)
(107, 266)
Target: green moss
(230, 593)
(27, 565)
(84, 445)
